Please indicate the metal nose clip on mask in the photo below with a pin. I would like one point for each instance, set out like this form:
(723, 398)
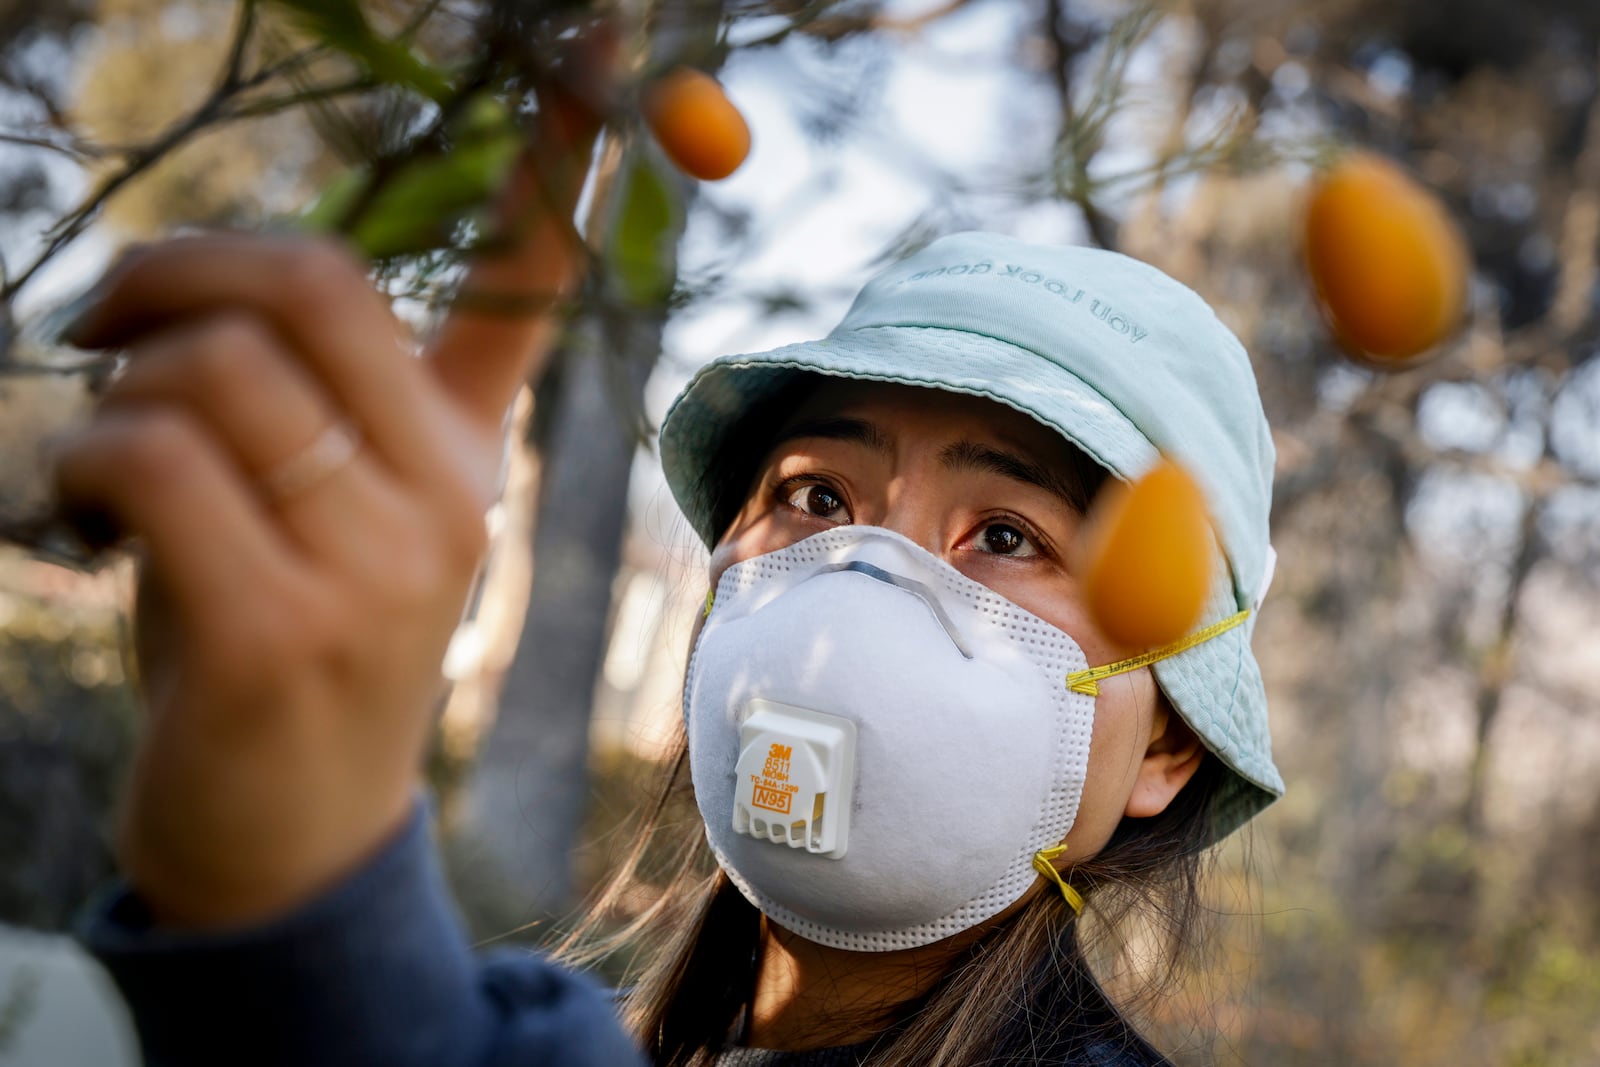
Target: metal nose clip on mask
(880, 745)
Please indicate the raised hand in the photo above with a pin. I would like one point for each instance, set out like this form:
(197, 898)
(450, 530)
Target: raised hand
(308, 499)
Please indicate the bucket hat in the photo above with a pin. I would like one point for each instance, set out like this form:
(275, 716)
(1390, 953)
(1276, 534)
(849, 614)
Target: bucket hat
(1121, 360)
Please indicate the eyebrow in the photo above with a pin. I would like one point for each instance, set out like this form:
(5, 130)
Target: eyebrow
(838, 428)
(972, 456)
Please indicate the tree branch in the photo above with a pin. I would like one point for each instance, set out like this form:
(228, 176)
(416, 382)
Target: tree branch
(418, 19)
(815, 20)
(231, 82)
(1497, 665)
(68, 228)
(1081, 131)
(243, 30)
(835, 27)
(75, 150)
(55, 114)
(1580, 235)
(271, 105)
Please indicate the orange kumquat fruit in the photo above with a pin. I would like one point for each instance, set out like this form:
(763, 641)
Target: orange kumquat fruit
(1389, 265)
(696, 124)
(1145, 557)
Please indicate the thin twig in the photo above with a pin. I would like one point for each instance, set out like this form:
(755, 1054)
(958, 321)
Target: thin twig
(836, 27)
(1230, 145)
(816, 21)
(213, 109)
(798, 24)
(34, 88)
(414, 24)
(76, 151)
(67, 230)
(271, 105)
(1074, 187)
(283, 66)
(1572, 304)
(1497, 666)
(243, 30)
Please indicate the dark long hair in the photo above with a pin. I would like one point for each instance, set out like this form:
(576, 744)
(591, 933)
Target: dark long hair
(1025, 992)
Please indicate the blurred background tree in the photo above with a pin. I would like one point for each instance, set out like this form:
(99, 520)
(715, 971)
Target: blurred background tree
(1426, 893)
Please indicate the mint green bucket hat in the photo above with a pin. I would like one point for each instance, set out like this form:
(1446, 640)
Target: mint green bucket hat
(1118, 358)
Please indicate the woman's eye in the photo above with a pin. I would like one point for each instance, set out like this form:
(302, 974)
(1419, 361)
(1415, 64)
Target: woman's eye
(820, 501)
(1005, 540)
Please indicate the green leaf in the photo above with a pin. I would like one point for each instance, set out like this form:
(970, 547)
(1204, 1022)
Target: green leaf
(337, 198)
(418, 206)
(422, 204)
(340, 24)
(643, 234)
(483, 115)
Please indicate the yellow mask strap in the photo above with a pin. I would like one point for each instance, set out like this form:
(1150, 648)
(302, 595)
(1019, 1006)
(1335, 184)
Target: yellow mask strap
(711, 595)
(1088, 682)
(1044, 863)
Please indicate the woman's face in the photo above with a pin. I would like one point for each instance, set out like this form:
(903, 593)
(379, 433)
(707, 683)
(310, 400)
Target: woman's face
(983, 487)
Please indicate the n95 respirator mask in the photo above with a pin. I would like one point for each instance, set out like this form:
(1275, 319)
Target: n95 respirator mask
(879, 745)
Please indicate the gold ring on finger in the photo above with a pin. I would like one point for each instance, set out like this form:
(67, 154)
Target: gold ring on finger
(334, 447)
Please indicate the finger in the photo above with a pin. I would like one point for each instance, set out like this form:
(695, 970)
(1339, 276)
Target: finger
(230, 373)
(160, 477)
(500, 330)
(315, 297)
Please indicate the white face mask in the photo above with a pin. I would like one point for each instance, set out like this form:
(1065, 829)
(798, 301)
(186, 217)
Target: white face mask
(880, 745)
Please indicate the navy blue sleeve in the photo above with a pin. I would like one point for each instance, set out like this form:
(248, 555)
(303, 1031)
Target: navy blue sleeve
(377, 971)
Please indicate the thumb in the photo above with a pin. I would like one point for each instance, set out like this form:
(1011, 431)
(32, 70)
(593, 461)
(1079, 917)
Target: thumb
(499, 331)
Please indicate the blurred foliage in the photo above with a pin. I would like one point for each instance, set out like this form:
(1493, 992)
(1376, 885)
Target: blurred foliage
(67, 725)
(1433, 526)
(343, 25)
(1425, 894)
(147, 68)
(647, 212)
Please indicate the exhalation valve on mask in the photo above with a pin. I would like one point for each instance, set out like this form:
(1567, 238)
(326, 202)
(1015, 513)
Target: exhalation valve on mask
(794, 777)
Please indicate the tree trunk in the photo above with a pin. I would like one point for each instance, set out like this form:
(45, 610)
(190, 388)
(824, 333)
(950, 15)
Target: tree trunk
(525, 803)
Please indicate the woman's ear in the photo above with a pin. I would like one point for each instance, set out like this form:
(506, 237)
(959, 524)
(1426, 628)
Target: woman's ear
(1171, 759)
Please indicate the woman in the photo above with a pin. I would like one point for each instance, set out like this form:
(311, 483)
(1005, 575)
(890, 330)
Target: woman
(891, 513)
(915, 756)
